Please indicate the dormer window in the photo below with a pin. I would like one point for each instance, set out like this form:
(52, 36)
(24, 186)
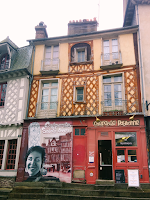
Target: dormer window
(4, 62)
(81, 52)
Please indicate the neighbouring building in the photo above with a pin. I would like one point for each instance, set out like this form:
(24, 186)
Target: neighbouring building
(137, 12)
(85, 104)
(15, 73)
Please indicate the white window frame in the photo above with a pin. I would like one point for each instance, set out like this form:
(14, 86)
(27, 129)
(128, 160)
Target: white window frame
(75, 94)
(113, 107)
(39, 111)
(76, 50)
(51, 63)
(111, 57)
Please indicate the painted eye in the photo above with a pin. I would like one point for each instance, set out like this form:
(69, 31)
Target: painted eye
(37, 159)
(29, 158)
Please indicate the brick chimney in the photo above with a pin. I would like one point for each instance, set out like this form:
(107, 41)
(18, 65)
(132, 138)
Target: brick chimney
(41, 31)
(82, 26)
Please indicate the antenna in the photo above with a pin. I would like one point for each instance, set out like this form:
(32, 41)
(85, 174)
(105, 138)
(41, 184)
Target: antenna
(98, 10)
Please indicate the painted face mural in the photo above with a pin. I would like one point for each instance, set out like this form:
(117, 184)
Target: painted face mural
(33, 163)
(51, 159)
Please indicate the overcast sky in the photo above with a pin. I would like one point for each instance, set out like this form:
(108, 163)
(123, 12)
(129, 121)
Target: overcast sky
(19, 17)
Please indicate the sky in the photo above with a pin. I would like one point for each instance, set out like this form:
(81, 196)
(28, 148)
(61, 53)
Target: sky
(19, 17)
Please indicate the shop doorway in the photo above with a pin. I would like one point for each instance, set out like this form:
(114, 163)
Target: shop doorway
(105, 159)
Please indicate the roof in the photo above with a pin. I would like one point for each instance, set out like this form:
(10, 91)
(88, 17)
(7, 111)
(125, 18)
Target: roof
(88, 35)
(130, 10)
(22, 58)
(8, 41)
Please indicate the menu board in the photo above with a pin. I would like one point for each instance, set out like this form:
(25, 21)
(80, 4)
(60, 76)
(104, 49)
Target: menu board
(133, 178)
(119, 176)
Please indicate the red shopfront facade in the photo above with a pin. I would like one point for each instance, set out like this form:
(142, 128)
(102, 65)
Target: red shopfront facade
(113, 143)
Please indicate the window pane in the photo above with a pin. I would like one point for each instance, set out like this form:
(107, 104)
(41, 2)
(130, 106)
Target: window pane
(45, 84)
(54, 84)
(120, 156)
(106, 50)
(81, 56)
(118, 78)
(44, 98)
(82, 131)
(48, 53)
(76, 131)
(54, 91)
(125, 139)
(132, 156)
(79, 94)
(55, 51)
(44, 106)
(106, 79)
(107, 88)
(45, 92)
(11, 154)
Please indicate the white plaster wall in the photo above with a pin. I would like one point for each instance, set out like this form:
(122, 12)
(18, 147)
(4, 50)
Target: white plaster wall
(144, 28)
(14, 110)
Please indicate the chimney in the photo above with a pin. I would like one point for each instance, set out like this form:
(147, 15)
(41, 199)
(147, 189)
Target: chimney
(41, 31)
(82, 26)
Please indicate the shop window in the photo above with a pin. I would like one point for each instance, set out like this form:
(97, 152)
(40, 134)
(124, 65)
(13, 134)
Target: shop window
(11, 156)
(125, 139)
(79, 131)
(3, 87)
(120, 155)
(132, 156)
(2, 143)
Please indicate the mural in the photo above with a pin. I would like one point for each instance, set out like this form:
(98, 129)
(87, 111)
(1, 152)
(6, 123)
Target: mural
(49, 155)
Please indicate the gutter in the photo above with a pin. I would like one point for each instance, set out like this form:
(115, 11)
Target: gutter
(141, 66)
(30, 82)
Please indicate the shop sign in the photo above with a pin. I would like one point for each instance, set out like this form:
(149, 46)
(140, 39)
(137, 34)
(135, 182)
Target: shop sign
(133, 178)
(118, 123)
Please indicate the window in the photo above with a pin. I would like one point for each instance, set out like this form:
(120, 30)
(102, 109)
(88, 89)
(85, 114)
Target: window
(3, 87)
(113, 91)
(12, 147)
(4, 62)
(132, 156)
(51, 58)
(111, 52)
(125, 139)
(79, 94)
(49, 95)
(80, 52)
(2, 143)
(79, 131)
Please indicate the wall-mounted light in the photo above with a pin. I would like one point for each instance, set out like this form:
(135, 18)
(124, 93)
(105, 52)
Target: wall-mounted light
(147, 104)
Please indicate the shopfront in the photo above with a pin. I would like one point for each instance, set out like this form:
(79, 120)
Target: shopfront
(112, 145)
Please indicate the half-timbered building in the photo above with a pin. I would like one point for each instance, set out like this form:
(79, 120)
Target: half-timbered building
(86, 89)
(15, 73)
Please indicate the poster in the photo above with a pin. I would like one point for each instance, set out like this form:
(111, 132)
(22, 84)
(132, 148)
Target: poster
(133, 178)
(49, 153)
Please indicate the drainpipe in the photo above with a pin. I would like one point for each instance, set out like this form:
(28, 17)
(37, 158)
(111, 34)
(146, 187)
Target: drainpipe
(30, 82)
(141, 66)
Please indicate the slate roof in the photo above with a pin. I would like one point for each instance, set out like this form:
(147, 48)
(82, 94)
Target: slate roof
(7, 40)
(130, 10)
(21, 57)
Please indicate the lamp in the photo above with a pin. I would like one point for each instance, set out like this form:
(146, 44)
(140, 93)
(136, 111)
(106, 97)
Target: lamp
(97, 119)
(132, 117)
(147, 104)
